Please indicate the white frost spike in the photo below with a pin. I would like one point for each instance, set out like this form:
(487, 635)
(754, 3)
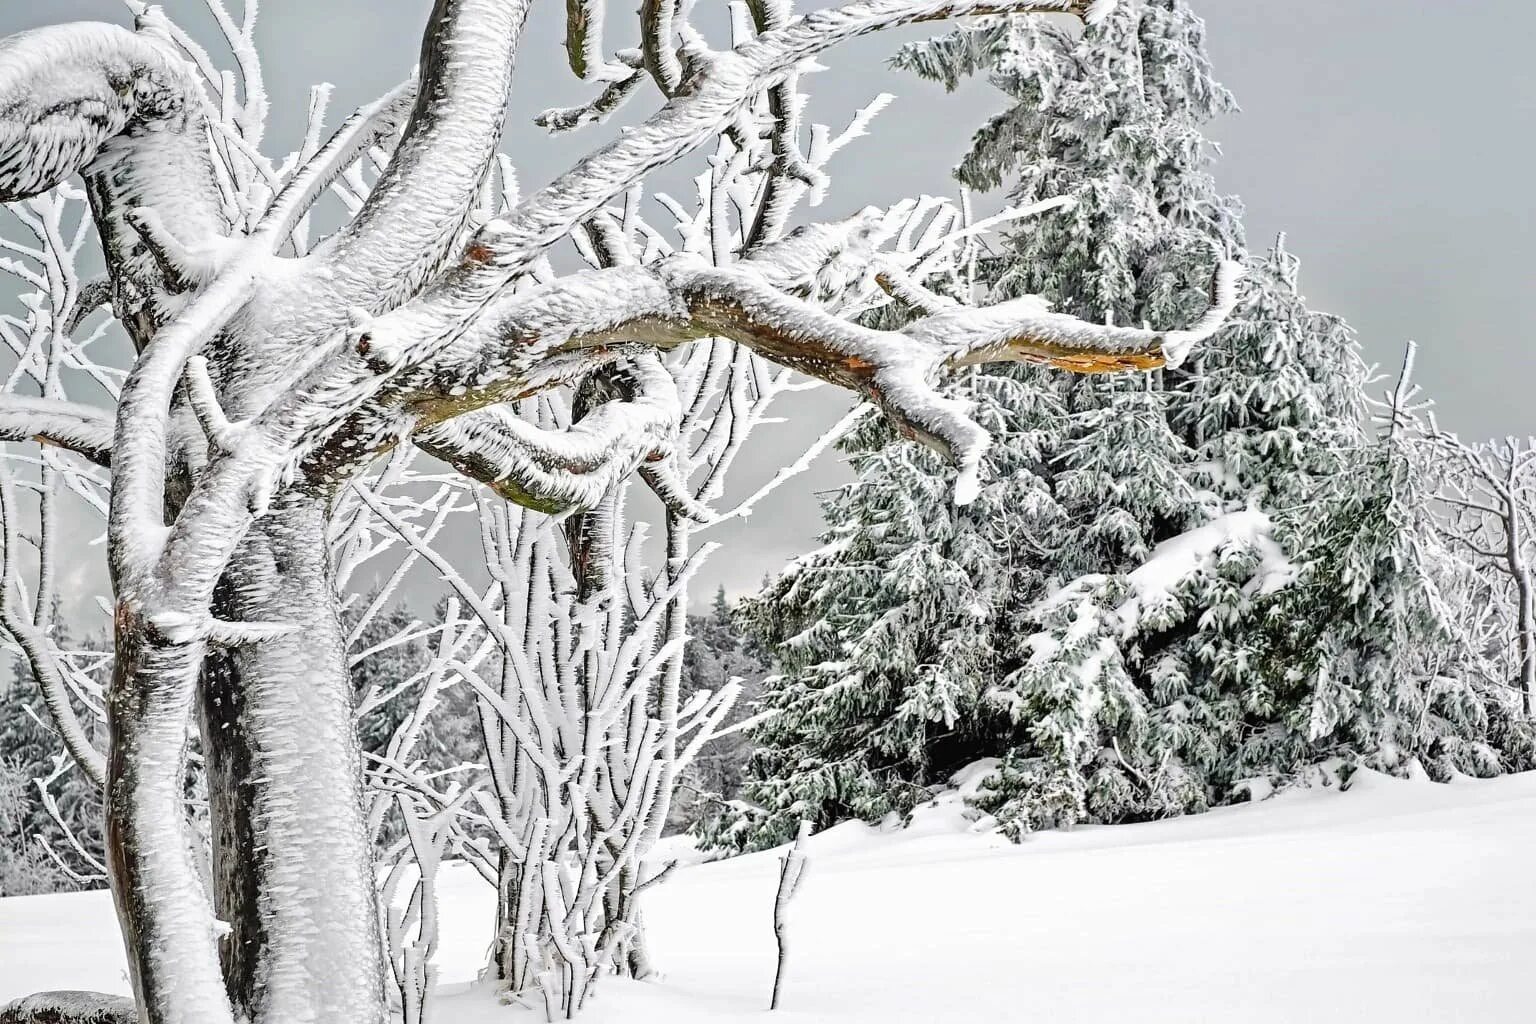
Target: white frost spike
(240, 634)
(177, 627)
(183, 628)
(968, 483)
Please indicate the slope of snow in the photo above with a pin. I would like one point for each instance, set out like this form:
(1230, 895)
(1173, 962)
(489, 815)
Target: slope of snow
(1397, 901)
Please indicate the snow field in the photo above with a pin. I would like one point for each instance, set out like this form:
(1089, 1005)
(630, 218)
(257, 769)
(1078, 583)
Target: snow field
(1397, 901)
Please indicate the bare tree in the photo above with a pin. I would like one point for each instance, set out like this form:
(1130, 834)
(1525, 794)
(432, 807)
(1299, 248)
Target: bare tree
(269, 371)
(1488, 493)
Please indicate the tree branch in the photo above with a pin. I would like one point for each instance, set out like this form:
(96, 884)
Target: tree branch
(594, 111)
(63, 97)
(367, 127)
(530, 340)
(66, 91)
(556, 471)
(416, 214)
(94, 294)
(82, 429)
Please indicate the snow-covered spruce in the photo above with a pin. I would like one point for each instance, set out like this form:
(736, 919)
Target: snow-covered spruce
(923, 636)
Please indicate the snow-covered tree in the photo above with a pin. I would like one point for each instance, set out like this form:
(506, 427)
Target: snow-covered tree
(893, 638)
(1268, 437)
(885, 634)
(1271, 412)
(1112, 118)
(1130, 672)
(1365, 634)
(1487, 498)
(268, 370)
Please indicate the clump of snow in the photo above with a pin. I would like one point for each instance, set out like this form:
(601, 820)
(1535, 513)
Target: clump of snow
(1174, 561)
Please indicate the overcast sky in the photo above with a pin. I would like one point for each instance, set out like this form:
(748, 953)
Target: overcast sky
(1392, 141)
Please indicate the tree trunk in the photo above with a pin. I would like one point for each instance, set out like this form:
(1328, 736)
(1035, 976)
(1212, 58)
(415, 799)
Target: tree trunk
(1527, 638)
(228, 764)
(284, 763)
(301, 942)
(167, 922)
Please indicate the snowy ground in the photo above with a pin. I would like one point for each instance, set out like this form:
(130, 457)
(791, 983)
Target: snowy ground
(1395, 902)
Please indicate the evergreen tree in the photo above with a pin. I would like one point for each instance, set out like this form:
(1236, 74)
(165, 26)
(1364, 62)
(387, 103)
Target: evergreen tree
(884, 652)
(1112, 119)
(886, 637)
(1367, 636)
(1273, 408)
(1142, 616)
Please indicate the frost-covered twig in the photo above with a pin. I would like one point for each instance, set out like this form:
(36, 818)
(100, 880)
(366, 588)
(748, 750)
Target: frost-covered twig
(791, 873)
(46, 667)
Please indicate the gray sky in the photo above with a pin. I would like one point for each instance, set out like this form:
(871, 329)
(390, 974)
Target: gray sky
(1391, 141)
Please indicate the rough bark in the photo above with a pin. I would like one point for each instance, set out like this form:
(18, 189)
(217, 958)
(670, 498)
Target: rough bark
(228, 762)
(291, 774)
